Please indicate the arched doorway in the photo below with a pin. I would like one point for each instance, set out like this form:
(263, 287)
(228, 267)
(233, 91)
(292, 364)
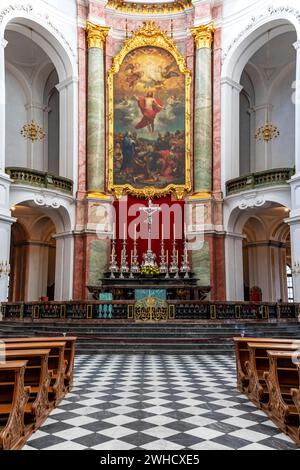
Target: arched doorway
(33, 256)
(266, 254)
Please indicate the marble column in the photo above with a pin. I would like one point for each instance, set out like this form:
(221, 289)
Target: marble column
(234, 267)
(230, 130)
(203, 36)
(96, 110)
(64, 266)
(68, 90)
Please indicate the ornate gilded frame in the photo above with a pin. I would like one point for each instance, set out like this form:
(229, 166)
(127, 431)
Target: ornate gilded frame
(149, 35)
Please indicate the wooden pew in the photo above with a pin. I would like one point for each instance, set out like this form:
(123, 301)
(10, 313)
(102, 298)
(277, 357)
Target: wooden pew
(283, 381)
(37, 377)
(242, 356)
(257, 365)
(56, 364)
(69, 352)
(13, 399)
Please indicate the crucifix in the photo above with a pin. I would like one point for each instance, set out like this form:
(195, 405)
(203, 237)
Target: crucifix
(150, 210)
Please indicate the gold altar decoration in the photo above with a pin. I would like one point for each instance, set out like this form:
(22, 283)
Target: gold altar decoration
(204, 35)
(96, 35)
(150, 8)
(151, 309)
(152, 37)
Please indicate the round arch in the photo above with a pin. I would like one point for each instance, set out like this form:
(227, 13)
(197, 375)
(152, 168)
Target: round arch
(43, 35)
(253, 40)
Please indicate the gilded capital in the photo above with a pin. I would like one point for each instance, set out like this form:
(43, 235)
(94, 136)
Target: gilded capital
(203, 35)
(96, 35)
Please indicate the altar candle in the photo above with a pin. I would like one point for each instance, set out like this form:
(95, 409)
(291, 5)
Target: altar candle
(134, 232)
(124, 232)
(131, 258)
(162, 231)
(167, 257)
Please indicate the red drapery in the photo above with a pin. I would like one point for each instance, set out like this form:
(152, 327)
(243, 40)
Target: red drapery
(169, 223)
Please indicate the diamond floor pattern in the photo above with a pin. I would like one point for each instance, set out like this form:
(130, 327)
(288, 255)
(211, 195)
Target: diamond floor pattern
(157, 402)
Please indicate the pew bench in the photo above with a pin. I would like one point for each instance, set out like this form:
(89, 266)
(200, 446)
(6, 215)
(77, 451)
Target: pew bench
(257, 365)
(36, 377)
(69, 352)
(243, 355)
(13, 399)
(283, 382)
(56, 365)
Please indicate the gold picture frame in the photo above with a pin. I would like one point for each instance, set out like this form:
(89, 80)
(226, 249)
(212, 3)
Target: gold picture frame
(149, 35)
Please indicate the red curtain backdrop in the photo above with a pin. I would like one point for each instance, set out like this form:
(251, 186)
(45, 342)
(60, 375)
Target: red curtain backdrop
(168, 223)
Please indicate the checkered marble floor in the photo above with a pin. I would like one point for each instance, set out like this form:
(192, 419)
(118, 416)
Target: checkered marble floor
(157, 402)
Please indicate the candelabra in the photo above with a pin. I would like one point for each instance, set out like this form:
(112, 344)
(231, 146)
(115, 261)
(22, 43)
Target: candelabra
(163, 267)
(296, 269)
(135, 266)
(124, 264)
(185, 268)
(174, 269)
(4, 269)
(113, 266)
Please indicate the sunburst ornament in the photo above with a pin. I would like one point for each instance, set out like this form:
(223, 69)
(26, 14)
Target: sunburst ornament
(267, 132)
(33, 132)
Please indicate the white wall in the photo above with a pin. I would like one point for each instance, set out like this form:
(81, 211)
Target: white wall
(283, 116)
(16, 117)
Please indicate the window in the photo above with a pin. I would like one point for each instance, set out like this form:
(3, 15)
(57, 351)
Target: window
(290, 285)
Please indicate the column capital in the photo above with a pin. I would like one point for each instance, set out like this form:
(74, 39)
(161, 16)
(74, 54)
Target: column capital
(297, 45)
(3, 43)
(203, 35)
(96, 35)
(228, 81)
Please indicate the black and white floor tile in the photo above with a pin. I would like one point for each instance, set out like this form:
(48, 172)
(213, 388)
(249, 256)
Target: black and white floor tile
(157, 402)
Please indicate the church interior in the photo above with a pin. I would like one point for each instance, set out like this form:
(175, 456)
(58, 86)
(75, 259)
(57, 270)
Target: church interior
(149, 225)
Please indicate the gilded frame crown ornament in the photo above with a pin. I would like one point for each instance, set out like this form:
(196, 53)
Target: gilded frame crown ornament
(150, 35)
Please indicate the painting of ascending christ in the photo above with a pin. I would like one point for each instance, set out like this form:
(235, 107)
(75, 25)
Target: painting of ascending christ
(149, 120)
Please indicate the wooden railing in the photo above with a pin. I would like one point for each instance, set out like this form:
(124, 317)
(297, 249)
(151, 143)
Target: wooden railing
(275, 177)
(40, 179)
(122, 310)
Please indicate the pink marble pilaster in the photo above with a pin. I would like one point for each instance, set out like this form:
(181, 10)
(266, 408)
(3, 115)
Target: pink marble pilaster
(82, 113)
(217, 112)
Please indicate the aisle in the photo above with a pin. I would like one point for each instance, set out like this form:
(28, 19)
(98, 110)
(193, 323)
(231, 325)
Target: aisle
(172, 402)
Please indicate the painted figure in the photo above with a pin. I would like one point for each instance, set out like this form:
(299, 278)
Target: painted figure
(149, 107)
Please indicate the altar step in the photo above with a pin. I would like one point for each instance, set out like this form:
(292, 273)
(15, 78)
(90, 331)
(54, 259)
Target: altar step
(180, 338)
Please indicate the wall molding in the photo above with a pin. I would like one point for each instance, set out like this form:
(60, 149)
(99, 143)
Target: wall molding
(271, 11)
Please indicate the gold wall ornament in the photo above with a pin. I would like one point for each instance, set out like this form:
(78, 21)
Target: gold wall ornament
(150, 35)
(149, 8)
(267, 132)
(33, 132)
(96, 35)
(204, 35)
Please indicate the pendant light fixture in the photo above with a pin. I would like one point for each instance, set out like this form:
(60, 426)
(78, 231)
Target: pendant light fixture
(268, 131)
(32, 131)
